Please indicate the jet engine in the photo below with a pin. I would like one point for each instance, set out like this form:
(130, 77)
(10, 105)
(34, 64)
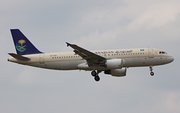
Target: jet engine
(116, 72)
(114, 63)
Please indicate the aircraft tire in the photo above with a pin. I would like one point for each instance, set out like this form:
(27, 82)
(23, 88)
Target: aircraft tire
(97, 78)
(152, 73)
(93, 73)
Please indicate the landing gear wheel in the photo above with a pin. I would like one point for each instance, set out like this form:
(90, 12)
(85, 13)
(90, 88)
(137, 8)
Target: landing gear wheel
(97, 78)
(152, 73)
(93, 73)
(151, 69)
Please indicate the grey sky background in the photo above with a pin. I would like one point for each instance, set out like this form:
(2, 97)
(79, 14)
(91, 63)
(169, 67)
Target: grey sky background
(94, 25)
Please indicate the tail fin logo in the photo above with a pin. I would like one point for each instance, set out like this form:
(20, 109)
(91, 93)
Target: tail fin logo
(20, 45)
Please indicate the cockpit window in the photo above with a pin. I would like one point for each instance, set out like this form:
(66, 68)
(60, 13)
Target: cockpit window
(162, 52)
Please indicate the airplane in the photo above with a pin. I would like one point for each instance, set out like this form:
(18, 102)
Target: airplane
(111, 62)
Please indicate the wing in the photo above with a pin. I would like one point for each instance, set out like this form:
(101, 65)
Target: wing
(89, 56)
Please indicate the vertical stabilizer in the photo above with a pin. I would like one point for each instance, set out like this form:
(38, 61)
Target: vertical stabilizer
(22, 45)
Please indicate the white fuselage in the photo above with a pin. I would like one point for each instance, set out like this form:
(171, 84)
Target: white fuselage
(70, 61)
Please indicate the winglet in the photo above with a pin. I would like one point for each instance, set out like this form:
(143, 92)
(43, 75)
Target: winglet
(68, 44)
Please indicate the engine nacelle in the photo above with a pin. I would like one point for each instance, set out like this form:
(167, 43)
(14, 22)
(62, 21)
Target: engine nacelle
(116, 72)
(114, 63)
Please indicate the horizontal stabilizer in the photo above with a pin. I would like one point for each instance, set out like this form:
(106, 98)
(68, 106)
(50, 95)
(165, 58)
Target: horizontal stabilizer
(19, 57)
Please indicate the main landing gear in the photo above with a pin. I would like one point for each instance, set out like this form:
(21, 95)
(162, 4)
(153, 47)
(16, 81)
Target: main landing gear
(95, 75)
(151, 69)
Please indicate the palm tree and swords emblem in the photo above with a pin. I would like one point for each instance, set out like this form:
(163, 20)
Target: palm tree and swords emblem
(20, 45)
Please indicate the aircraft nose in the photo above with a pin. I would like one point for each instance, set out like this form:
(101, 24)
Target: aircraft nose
(171, 59)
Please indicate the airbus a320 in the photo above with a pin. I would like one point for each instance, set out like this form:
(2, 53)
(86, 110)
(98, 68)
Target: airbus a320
(111, 62)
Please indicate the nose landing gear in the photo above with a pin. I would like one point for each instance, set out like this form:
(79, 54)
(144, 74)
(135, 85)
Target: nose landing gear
(151, 69)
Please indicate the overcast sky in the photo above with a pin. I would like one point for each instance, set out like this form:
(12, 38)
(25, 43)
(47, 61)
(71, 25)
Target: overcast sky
(92, 24)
